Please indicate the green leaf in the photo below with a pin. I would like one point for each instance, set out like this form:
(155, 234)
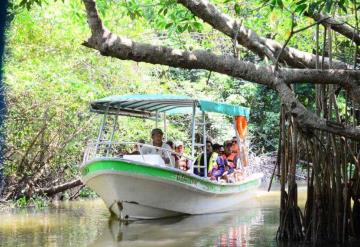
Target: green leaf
(237, 8)
(320, 5)
(179, 29)
(169, 25)
(312, 8)
(328, 5)
(300, 2)
(161, 10)
(300, 8)
(197, 25)
(342, 7)
(272, 4)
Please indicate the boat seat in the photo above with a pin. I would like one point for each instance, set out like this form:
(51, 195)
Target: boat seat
(151, 159)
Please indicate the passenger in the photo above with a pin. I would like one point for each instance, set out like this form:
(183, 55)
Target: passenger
(180, 161)
(157, 141)
(200, 171)
(221, 150)
(231, 157)
(234, 169)
(218, 169)
(171, 144)
(137, 147)
(234, 146)
(213, 157)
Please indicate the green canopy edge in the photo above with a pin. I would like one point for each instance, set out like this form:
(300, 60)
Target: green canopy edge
(145, 104)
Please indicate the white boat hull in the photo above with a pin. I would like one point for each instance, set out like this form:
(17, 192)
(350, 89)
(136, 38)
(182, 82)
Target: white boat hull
(135, 195)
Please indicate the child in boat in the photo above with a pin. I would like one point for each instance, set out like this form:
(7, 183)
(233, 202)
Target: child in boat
(180, 161)
(229, 155)
(233, 171)
(137, 146)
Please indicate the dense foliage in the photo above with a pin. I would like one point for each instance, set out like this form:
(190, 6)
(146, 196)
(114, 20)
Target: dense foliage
(51, 78)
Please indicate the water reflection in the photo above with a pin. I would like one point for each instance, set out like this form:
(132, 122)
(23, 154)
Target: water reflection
(223, 229)
(86, 223)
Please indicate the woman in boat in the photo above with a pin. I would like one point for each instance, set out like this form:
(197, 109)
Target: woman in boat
(198, 170)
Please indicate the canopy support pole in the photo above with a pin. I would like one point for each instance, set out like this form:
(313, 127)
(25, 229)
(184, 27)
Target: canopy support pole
(193, 135)
(112, 135)
(204, 142)
(101, 128)
(165, 127)
(157, 119)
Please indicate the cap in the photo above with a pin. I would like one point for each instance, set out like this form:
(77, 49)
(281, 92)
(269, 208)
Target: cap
(178, 143)
(156, 131)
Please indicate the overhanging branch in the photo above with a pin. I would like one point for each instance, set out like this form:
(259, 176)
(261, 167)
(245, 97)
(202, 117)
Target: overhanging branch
(112, 45)
(338, 26)
(251, 40)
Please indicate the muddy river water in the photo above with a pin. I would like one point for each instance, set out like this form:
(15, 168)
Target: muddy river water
(87, 223)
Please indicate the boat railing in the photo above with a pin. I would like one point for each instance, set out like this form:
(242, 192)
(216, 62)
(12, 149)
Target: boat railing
(133, 151)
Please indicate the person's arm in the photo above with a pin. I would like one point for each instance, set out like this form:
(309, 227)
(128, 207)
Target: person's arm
(237, 163)
(143, 150)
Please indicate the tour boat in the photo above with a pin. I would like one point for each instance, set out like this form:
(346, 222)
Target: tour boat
(135, 185)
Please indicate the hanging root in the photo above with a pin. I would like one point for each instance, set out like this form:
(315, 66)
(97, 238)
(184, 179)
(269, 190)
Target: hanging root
(291, 218)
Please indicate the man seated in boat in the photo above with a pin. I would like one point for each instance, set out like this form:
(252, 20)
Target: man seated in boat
(180, 161)
(210, 158)
(159, 147)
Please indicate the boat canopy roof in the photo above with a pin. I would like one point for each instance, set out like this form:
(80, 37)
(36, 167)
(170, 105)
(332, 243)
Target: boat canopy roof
(147, 105)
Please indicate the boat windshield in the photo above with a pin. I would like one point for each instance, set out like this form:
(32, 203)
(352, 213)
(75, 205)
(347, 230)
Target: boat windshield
(133, 151)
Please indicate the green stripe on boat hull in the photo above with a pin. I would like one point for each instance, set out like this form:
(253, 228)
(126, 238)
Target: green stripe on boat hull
(170, 174)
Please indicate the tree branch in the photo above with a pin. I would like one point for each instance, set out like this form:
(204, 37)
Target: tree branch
(308, 120)
(348, 79)
(338, 26)
(59, 188)
(112, 45)
(249, 39)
